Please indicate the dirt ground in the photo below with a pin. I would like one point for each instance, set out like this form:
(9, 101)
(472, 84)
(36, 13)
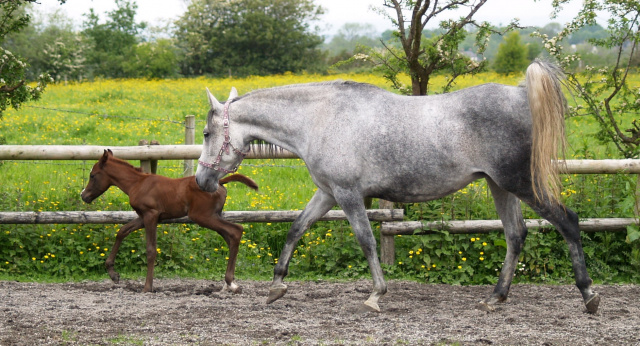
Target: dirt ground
(194, 312)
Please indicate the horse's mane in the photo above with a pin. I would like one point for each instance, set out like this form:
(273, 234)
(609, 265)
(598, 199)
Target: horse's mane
(335, 83)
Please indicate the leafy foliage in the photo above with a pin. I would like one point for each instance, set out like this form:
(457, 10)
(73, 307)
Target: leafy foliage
(113, 40)
(14, 89)
(604, 92)
(512, 55)
(248, 37)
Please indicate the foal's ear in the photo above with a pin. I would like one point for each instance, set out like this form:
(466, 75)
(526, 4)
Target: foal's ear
(233, 94)
(105, 156)
(215, 105)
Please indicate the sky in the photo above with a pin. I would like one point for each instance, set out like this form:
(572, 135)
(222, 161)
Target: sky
(337, 12)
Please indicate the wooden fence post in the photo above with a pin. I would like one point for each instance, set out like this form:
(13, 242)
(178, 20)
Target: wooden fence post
(189, 138)
(636, 208)
(145, 165)
(387, 243)
(154, 163)
(148, 166)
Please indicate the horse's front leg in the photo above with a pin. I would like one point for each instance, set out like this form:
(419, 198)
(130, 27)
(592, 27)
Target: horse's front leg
(353, 205)
(150, 226)
(319, 205)
(122, 233)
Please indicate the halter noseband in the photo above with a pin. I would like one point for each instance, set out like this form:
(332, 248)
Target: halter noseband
(226, 144)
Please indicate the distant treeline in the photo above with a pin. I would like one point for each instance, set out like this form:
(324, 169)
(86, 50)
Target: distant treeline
(246, 37)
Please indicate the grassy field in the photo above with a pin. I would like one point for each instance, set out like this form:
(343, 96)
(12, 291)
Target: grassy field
(121, 112)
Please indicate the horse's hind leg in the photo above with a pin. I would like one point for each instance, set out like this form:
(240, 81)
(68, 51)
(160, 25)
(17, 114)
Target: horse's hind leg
(319, 205)
(122, 233)
(151, 228)
(515, 232)
(231, 233)
(566, 222)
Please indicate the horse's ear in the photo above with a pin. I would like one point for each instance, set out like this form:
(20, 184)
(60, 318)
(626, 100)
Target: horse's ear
(233, 94)
(215, 105)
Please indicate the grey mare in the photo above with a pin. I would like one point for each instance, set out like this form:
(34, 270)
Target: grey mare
(360, 141)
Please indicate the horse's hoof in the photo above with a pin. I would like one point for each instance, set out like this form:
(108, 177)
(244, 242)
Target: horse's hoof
(593, 303)
(368, 307)
(485, 306)
(115, 278)
(276, 293)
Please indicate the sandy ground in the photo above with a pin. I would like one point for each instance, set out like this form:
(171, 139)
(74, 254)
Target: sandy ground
(194, 312)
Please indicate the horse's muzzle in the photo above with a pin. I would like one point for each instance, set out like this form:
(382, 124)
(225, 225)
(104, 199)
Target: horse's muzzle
(206, 182)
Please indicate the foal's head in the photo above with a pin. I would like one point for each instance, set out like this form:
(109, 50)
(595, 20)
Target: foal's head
(99, 181)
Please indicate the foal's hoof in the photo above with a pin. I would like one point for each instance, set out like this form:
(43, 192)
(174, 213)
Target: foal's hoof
(233, 288)
(276, 292)
(115, 278)
(592, 304)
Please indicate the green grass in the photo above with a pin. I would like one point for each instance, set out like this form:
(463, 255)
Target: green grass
(140, 109)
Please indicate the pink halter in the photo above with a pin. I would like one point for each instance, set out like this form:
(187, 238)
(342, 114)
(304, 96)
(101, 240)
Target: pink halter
(226, 144)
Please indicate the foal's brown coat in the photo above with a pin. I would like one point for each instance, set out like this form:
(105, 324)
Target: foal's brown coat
(156, 198)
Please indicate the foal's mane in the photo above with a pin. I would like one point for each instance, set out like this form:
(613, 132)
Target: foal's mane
(114, 159)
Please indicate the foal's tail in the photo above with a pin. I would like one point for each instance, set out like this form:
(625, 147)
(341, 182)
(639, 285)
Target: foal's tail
(548, 106)
(239, 178)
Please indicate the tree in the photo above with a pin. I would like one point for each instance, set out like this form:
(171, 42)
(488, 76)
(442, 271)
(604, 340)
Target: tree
(50, 45)
(421, 56)
(604, 93)
(157, 59)
(112, 42)
(14, 90)
(512, 55)
(244, 37)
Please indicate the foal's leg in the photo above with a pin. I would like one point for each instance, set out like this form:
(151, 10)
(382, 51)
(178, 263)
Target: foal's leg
(150, 226)
(566, 222)
(122, 233)
(353, 205)
(515, 233)
(231, 233)
(319, 205)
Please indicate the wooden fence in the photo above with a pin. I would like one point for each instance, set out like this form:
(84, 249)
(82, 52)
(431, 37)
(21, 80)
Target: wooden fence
(391, 218)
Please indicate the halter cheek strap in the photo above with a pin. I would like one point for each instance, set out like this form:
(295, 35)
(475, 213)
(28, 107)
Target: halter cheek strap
(226, 144)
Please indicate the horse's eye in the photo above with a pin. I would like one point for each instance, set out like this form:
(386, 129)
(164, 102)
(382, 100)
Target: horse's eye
(206, 134)
(91, 176)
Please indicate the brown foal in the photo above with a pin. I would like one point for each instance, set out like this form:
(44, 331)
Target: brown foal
(156, 198)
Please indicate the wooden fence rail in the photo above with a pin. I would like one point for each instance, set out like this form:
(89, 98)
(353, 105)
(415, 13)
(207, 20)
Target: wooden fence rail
(142, 152)
(488, 226)
(121, 217)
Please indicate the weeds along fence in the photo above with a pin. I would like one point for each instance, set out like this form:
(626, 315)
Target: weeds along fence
(392, 223)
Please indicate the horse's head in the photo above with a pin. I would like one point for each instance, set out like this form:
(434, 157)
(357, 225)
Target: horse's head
(223, 148)
(99, 181)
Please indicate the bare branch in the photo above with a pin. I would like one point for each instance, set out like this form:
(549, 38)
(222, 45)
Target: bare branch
(8, 89)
